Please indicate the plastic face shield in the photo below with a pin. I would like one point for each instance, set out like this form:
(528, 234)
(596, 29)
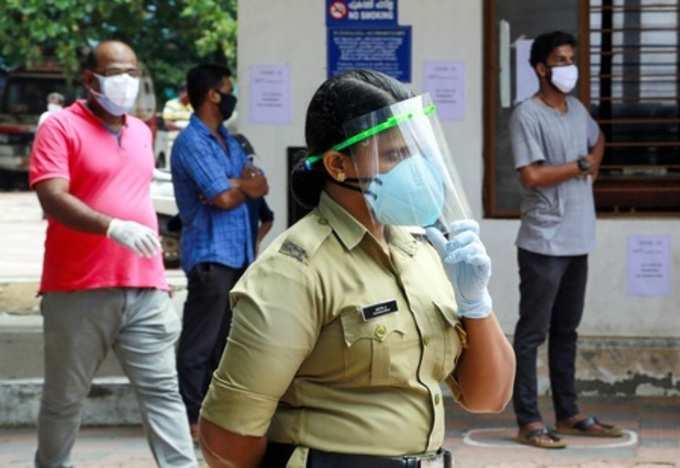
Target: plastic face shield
(404, 167)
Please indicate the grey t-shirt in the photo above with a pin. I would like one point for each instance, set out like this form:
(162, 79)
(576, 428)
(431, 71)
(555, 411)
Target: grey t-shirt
(560, 219)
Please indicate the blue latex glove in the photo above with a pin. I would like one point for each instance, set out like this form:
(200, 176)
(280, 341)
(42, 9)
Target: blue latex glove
(467, 265)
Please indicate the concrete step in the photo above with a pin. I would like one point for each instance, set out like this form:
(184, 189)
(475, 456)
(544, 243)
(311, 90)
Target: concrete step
(605, 366)
(21, 342)
(21, 336)
(111, 402)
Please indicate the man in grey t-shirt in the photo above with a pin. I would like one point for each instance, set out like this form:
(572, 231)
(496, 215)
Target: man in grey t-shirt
(558, 148)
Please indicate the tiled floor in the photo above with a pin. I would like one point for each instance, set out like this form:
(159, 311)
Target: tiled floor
(653, 441)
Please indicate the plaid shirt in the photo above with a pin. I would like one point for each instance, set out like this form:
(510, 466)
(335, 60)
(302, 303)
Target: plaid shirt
(201, 167)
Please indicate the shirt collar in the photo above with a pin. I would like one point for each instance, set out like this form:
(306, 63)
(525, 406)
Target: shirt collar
(351, 232)
(402, 238)
(199, 125)
(81, 108)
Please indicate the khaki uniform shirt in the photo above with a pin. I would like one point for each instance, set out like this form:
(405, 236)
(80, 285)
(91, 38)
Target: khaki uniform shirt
(303, 366)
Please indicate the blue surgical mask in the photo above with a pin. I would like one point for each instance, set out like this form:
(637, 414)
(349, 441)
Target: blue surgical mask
(411, 193)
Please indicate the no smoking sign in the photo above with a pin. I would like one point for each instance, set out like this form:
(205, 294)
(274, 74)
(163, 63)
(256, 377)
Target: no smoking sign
(338, 10)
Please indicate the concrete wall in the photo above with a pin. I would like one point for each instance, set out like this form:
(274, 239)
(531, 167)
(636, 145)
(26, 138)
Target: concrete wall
(293, 33)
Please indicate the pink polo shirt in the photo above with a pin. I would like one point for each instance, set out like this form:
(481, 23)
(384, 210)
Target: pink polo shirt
(112, 175)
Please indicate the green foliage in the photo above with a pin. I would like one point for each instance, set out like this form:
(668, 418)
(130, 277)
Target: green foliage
(169, 36)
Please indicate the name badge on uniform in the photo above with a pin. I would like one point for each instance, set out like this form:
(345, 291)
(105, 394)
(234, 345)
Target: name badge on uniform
(378, 310)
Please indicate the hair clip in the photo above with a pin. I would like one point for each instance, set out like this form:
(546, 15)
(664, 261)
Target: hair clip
(311, 160)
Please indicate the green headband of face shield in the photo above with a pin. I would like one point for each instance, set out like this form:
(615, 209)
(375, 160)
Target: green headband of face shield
(391, 122)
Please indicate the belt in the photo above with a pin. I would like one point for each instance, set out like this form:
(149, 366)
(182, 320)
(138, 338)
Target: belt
(318, 459)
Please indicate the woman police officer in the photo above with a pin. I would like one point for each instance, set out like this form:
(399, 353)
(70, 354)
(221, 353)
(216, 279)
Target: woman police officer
(347, 324)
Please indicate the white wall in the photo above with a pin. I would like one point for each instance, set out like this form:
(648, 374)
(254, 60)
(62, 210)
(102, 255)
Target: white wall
(280, 32)
(609, 311)
(294, 33)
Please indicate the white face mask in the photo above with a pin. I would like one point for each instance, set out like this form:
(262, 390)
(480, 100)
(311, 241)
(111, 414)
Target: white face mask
(119, 93)
(52, 107)
(564, 78)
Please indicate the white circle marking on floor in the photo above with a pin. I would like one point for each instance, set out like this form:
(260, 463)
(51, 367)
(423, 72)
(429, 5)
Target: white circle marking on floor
(468, 440)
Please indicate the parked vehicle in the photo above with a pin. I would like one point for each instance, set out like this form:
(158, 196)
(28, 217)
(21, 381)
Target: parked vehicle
(169, 227)
(23, 100)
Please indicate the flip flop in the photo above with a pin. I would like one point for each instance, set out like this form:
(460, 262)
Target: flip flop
(541, 438)
(585, 427)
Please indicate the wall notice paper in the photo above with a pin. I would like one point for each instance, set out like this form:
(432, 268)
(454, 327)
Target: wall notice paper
(649, 266)
(270, 95)
(445, 81)
(526, 82)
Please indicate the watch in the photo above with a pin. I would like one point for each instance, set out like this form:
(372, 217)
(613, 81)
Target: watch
(583, 165)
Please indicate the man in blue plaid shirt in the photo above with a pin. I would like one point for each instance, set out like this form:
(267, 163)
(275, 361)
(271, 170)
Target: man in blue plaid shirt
(212, 182)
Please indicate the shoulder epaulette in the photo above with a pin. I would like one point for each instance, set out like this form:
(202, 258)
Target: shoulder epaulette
(305, 237)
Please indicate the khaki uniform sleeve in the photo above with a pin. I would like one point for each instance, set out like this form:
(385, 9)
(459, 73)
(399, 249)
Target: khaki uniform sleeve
(275, 325)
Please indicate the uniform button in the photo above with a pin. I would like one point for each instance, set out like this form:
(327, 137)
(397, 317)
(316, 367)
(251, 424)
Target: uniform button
(426, 340)
(323, 221)
(436, 399)
(380, 331)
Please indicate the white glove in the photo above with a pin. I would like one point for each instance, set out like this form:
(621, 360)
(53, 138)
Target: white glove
(467, 265)
(140, 239)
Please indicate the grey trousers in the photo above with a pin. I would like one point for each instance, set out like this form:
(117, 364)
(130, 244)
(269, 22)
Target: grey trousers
(141, 327)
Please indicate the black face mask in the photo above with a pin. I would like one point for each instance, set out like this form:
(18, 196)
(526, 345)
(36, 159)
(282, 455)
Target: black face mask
(227, 104)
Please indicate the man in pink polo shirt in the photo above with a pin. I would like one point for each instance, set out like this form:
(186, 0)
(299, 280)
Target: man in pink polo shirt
(103, 283)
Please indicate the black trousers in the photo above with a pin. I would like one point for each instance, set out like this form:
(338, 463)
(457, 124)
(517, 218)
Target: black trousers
(205, 327)
(552, 292)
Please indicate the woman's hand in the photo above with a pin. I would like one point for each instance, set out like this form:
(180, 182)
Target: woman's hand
(467, 265)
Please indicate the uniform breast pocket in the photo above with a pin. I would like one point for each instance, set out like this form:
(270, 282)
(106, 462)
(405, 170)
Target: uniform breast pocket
(454, 339)
(370, 346)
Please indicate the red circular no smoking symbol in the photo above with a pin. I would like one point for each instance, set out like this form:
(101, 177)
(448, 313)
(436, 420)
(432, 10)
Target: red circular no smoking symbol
(338, 10)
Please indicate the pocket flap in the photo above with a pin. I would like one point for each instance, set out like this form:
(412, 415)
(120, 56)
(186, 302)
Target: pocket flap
(355, 328)
(450, 316)
(448, 312)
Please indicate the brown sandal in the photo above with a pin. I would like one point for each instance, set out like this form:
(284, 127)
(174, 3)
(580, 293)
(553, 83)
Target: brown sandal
(541, 438)
(586, 427)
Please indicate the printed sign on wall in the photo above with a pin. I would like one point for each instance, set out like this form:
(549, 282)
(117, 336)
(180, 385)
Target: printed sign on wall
(361, 13)
(270, 99)
(649, 266)
(384, 50)
(445, 81)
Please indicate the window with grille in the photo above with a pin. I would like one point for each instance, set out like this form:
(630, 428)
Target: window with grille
(632, 88)
(628, 54)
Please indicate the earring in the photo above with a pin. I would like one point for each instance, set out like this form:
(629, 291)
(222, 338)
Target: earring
(340, 177)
